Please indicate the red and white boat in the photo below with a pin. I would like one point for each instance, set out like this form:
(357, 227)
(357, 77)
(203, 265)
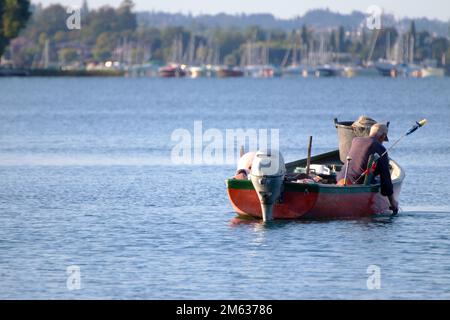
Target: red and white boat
(274, 191)
(315, 200)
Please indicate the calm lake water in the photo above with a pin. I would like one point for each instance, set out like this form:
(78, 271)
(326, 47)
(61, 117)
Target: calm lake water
(86, 180)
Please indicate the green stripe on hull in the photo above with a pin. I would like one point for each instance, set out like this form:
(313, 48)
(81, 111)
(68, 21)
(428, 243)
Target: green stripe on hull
(300, 187)
(239, 184)
(352, 189)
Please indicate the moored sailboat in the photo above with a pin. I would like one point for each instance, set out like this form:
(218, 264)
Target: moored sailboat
(229, 72)
(171, 71)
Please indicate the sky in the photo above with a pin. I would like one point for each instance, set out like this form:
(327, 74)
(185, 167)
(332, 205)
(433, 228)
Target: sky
(439, 9)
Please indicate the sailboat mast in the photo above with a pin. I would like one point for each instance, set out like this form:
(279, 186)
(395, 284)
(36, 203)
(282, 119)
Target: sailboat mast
(46, 53)
(388, 45)
(294, 52)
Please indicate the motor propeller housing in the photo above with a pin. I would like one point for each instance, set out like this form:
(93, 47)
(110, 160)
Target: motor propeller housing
(267, 175)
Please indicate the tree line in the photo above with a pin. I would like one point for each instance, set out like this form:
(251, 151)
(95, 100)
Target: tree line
(13, 17)
(109, 33)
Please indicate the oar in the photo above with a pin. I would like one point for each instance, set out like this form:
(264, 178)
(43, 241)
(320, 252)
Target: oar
(372, 168)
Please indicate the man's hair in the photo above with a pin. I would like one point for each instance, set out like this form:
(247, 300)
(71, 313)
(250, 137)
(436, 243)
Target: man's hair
(378, 129)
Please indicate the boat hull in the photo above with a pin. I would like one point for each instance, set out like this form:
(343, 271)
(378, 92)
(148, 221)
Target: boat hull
(171, 72)
(229, 73)
(297, 199)
(350, 202)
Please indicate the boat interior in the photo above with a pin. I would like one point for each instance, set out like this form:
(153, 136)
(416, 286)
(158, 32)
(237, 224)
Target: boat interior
(325, 167)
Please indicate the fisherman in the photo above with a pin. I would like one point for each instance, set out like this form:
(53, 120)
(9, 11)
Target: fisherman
(359, 153)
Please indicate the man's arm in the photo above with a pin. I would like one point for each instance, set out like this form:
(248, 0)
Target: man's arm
(385, 176)
(394, 204)
(387, 188)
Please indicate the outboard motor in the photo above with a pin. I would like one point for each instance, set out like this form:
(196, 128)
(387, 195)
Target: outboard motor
(267, 175)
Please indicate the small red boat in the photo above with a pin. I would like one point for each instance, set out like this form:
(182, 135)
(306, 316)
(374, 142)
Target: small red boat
(316, 200)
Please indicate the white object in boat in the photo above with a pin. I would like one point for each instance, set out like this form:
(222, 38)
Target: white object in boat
(319, 169)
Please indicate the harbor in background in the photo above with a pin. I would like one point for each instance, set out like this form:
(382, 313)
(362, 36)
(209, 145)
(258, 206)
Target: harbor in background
(302, 47)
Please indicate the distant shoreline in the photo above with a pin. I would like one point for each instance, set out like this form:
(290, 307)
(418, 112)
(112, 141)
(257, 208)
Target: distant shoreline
(59, 73)
(320, 72)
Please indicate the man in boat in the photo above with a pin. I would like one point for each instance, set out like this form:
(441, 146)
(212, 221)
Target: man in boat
(360, 151)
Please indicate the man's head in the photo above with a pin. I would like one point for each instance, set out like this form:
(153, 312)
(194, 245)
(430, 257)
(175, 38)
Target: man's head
(379, 131)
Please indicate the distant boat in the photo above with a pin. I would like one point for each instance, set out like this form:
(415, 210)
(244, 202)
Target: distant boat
(348, 72)
(252, 71)
(369, 71)
(391, 69)
(326, 71)
(12, 72)
(229, 72)
(387, 68)
(171, 71)
(293, 70)
(409, 70)
(299, 70)
(196, 72)
(308, 71)
(262, 71)
(432, 72)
